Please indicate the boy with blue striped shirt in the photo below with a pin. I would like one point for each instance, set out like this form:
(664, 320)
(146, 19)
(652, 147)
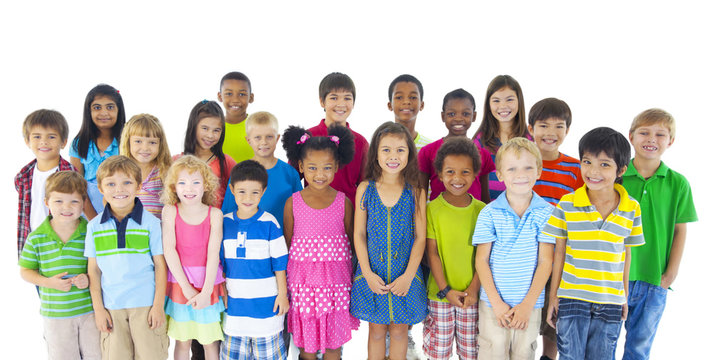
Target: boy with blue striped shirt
(254, 258)
(513, 258)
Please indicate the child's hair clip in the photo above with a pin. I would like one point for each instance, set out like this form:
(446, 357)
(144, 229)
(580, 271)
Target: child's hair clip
(303, 139)
(335, 139)
(117, 91)
(204, 101)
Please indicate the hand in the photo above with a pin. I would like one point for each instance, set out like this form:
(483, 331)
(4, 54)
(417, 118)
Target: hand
(667, 280)
(519, 316)
(470, 299)
(624, 311)
(200, 301)
(552, 311)
(501, 309)
(81, 281)
(189, 292)
(156, 317)
(455, 297)
(56, 282)
(102, 319)
(376, 284)
(400, 286)
(281, 304)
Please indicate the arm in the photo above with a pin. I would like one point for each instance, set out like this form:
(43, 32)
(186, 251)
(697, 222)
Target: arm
(56, 282)
(627, 264)
(401, 285)
(674, 259)
(484, 188)
(472, 291)
(349, 222)
(376, 284)
(557, 267)
(156, 315)
(454, 297)
(168, 224)
(211, 269)
(521, 312)
(482, 267)
(288, 222)
(102, 318)
(89, 210)
(281, 302)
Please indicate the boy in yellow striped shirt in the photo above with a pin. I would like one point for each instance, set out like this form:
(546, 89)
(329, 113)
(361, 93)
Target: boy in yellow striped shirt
(594, 228)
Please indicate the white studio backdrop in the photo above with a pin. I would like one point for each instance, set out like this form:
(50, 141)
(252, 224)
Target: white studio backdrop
(608, 60)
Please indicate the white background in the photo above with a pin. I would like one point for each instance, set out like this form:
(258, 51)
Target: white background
(608, 60)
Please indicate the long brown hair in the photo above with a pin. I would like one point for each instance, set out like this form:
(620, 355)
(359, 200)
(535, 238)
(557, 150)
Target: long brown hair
(489, 128)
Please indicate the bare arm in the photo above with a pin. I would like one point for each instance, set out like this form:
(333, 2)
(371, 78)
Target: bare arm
(454, 297)
(56, 282)
(289, 222)
(674, 259)
(557, 266)
(211, 269)
(282, 304)
(156, 315)
(102, 318)
(484, 188)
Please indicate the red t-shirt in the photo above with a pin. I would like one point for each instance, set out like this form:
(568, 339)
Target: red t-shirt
(559, 177)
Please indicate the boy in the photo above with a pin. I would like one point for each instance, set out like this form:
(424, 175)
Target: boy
(458, 113)
(654, 265)
(127, 271)
(549, 121)
(254, 258)
(236, 94)
(406, 100)
(282, 179)
(45, 133)
(53, 259)
(594, 228)
(336, 96)
(513, 257)
(453, 284)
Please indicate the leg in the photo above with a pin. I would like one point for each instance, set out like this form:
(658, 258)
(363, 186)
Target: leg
(525, 341)
(212, 350)
(332, 354)
(197, 350)
(494, 340)
(549, 335)
(149, 344)
(646, 305)
(61, 337)
(604, 331)
(118, 343)
(89, 338)
(466, 332)
(573, 320)
(377, 346)
(399, 341)
(182, 350)
(439, 330)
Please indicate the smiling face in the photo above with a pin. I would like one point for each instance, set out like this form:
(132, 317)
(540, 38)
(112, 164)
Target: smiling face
(119, 190)
(144, 149)
(599, 171)
(405, 102)
(338, 105)
(519, 171)
(247, 196)
(504, 104)
(45, 143)
(104, 112)
(189, 187)
(263, 140)
(393, 153)
(458, 115)
(64, 207)
(208, 132)
(318, 167)
(235, 96)
(457, 174)
(549, 135)
(651, 141)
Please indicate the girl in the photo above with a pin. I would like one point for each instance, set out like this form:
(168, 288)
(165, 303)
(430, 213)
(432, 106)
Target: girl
(144, 141)
(192, 233)
(389, 238)
(98, 138)
(503, 119)
(204, 139)
(318, 224)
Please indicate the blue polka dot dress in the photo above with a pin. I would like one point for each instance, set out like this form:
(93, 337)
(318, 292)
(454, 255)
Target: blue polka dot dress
(390, 236)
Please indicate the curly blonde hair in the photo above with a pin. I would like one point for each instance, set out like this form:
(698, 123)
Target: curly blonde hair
(191, 164)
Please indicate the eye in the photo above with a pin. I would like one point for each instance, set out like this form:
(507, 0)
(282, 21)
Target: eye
(154, 142)
(586, 162)
(228, 93)
(96, 107)
(398, 97)
(52, 137)
(451, 114)
(110, 107)
(413, 97)
(466, 114)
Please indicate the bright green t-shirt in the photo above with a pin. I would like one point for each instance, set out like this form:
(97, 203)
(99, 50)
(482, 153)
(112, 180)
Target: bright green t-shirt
(665, 200)
(452, 228)
(235, 144)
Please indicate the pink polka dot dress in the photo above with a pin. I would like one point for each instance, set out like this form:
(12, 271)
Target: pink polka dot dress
(319, 275)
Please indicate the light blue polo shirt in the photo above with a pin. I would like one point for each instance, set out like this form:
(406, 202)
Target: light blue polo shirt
(124, 252)
(515, 244)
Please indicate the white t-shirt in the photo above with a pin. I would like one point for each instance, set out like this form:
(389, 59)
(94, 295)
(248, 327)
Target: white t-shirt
(39, 211)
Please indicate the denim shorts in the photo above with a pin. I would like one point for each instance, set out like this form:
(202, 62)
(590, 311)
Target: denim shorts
(587, 330)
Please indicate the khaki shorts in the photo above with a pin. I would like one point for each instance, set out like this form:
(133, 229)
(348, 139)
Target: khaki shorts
(72, 338)
(501, 343)
(132, 338)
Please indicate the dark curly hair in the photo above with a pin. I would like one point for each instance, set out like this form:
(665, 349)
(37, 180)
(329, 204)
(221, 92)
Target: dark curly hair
(343, 151)
(458, 146)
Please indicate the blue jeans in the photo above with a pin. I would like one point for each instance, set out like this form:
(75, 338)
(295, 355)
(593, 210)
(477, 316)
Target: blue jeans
(646, 304)
(587, 330)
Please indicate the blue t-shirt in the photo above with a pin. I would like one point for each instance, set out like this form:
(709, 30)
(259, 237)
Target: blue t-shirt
(251, 252)
(94, 158)
(124, 253)
(282, 181)
(515, 244)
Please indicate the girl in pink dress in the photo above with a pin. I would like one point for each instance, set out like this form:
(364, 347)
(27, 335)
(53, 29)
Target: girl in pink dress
(318, 228)
(192, 233)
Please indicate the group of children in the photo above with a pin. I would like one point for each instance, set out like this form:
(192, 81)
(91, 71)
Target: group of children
(489, 241)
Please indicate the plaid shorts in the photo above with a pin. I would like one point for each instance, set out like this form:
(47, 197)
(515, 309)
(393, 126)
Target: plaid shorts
(253, 348)
(443, 323)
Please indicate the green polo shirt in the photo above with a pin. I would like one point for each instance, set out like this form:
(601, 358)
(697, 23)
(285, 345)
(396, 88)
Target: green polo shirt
(665, 200)
(45, 252)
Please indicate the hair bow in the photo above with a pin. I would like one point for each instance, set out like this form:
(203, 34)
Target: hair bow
(334, 139)
(303, 139)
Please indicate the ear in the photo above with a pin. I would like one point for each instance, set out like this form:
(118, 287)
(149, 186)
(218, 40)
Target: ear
(301, 166)
(499, 175)
(232, 189)
(321, 102)
(621, 171)
(388, 105)
(47, 204)
(277, 138)
(530, 129)
(443, 116)
(422, 103)
(64, 143)
(220, 97)
(252, 98)
(475, 115)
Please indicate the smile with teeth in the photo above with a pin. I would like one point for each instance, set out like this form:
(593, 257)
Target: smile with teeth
(650, 148)
(393, 164)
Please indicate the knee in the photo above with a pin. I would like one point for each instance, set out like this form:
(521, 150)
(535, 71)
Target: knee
(398, 333)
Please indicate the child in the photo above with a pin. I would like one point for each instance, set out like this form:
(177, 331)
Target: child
(453, 284)
(144, 141)
(594, 228)
(458, 113)
(336, 96)
(236, 94)
(389, 238)
(45, 133)
(282, 179)
(513, 258)
(503, 119)
(666, 206)
(549, 122)
(53, 259)
(192, 232)
(204, 139)
(406, 100)
(98, 139)
(318, 228)
(254, 255)
(127, 271)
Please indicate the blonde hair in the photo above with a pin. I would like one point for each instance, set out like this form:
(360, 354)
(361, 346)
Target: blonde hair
(66, 182)
(261, 118)
(118, 163)
(518, 145)
(191, 164)
(146, 125)
(654, 116)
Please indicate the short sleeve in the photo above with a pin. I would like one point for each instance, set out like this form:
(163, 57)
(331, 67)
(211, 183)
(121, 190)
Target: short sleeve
(295, 179)
(28, 257)
(89, 248)
(485, 227)
(278, 248)
(430, 226)
(155, 241)
(73, 149)
(556, 225)
(636, 237)
(686, 211)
